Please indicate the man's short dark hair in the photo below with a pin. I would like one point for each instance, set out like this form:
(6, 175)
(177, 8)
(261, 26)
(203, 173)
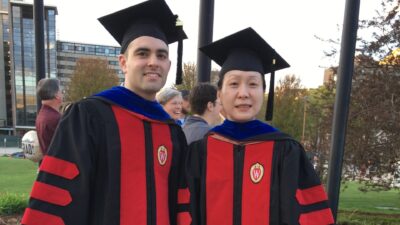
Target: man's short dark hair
(48, 88)
(200, 95)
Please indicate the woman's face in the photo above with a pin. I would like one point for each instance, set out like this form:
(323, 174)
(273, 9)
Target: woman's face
(241, 95)
(174, 107)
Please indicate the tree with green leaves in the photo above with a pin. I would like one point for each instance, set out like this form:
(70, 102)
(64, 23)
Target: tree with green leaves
(289, 106)
(372, 149)
(374, 122)
(318, 126)
(189, 76)
(91, 76)
(374, 119)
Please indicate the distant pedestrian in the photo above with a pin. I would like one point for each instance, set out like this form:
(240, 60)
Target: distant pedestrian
(51, 96)
(171, 101)
(185, 106)
(206, 112)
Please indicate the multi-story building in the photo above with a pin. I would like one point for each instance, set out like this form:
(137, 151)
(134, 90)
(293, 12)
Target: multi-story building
(18, 104)
(18, 68)
(69, 52)
(5, 79)
(329, 75)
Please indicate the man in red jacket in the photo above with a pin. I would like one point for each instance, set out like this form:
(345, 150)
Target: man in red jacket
(48, 91)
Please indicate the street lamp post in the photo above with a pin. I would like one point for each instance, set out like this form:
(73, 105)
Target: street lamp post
(340, 116)
(38, 15)
(304, 119)
(206, 27)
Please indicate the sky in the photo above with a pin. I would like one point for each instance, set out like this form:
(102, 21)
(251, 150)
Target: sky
(289, 26)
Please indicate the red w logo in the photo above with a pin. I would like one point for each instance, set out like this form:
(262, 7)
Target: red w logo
(256, 172)
(162, 155)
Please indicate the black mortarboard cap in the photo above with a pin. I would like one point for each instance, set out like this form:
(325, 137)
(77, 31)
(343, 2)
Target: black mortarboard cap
(150, 18)
(246, 50)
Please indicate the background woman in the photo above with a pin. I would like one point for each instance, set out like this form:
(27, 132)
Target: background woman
(171, 100)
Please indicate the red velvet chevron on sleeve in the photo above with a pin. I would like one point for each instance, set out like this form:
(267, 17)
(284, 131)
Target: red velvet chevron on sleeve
(320, 217)
(51, 194)
(183, 196)
(311, 195)
(35, 217)
(59, 167)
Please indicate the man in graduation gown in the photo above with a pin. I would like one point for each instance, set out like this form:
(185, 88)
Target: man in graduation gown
(116, 157)
(246, 172)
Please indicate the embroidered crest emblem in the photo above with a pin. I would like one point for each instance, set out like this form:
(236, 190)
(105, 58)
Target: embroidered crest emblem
(256, 172)
(162, 154)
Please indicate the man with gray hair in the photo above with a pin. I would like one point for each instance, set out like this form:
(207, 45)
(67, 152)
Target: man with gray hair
(48, 91)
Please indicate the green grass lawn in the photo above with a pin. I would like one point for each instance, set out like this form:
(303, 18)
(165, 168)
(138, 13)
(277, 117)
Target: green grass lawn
(17, 175)
(362, 218)
(351, 199)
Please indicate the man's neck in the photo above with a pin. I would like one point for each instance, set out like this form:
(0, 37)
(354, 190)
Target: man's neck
(147, 96)
(204, 117)
(210, 118)
(52, 104)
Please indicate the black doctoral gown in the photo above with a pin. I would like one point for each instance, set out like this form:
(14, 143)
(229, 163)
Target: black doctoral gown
(250, 173)
(112, 162)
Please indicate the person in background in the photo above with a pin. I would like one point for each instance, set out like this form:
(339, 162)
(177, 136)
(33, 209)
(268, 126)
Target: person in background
(185, 106)
(171, 101)
(117, 157)
(49, 92)
(246, 171)
(205, 112)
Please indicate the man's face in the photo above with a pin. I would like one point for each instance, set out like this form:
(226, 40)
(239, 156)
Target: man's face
(185, 106)
(215, 110)
(146, 65)
(59, 96)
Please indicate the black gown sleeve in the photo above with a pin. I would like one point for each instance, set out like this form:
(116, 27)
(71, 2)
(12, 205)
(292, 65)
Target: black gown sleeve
(302, 196)
(194, 170)
(181, 209)
(61, 194)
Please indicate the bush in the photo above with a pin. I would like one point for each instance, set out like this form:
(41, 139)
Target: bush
(12, 203)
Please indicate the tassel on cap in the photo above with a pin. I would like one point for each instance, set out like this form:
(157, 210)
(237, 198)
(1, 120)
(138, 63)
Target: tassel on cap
(270, 104)
(178, 79)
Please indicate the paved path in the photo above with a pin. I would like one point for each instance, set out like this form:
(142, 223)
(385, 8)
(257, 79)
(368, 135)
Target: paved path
(9, 150)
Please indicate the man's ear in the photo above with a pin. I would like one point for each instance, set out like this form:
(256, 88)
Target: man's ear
(122, 62)
(59, 96)
(210, 106)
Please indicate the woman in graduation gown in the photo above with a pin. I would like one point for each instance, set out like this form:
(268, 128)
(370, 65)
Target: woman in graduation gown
(246, 172)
